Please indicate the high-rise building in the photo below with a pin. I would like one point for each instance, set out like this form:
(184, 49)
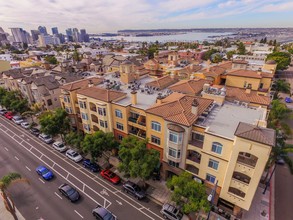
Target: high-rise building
(18, 35)
(43, 30)
(76, 35)
(84, 37)
(55, 30)
(61, 38)
(69, 34)
(35, 34)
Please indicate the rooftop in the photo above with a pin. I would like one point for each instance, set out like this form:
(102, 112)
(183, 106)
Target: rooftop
(223, 120)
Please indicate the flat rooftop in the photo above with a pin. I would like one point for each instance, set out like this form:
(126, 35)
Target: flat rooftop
(145, 99)
(223, 120)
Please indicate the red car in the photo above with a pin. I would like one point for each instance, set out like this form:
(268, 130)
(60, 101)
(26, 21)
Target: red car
(109, 175)
(8, 115)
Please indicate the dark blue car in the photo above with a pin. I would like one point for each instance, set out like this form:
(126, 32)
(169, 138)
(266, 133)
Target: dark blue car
(90, 165)
(44, 172)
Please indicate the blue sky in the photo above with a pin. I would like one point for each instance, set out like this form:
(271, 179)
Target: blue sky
(112, 15)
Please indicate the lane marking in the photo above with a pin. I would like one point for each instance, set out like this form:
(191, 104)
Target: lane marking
(60, 197)
(16, 157)
(105, 183)
(6, 148)
(120, 203)
(28, 168)
(42, 180)
(78, 213)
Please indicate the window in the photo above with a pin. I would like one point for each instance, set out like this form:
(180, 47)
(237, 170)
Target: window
(68, 110)
(174, 152)
(102, 111)
(118, 113)
(119, 126)
(49, 102)
(173, 164)
(84, 116)
(82, 104)
(213, 164)
(155, 140)
(103, 124)
(197, 136)
(66, 99)
(86, 127)
(175, 138)
(211, 178)
(120, 137)
(217, 147)
(156, 126)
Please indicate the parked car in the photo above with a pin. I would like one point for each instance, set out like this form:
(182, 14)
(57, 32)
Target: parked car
(69, 192)
(8, 115)
(45, 172)
(109, 175)
(280, 160)
(102, 213)
(25, 125)
(90, 165)
(17, 119)
(171, 212)
(46, 138)
(59, 146)
(288, 100)
(73, 155)
(134, 189)
(35, 131)
(3, 111)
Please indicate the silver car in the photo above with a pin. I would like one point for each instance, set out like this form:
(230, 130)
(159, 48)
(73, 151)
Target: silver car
(73, 155)
(46, 138)
(171, 212)
(25, 125)
(59, 146)
(17, 120)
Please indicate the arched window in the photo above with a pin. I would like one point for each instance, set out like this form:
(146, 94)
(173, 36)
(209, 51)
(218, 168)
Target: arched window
(217, 147)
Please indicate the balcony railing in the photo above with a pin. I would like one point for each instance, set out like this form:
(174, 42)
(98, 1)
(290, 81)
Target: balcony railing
(236, 192)
(195, 157)
(134, 120)
(196, 143)
(142, 123)
(248, 161)
(192, 169)
(241, 177)
(94, 109)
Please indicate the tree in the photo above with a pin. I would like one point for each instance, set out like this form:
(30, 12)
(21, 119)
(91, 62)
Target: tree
(98, 142)
(5, 182)
(74, 139)
(282, 85)
(13, 101)
(241, 48)
(76, 56)
(136, 159)
(188, 194)
(217, 58)
(230, 54)
(278, 110)
(283, 59)
(209, 53)
(54, 123)
(34, 109)
(51, 59)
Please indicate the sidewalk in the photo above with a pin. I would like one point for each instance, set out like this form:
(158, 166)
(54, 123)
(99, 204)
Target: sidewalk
(5, 215)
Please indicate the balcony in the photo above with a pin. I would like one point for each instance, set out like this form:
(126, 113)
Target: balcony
(250, 161)
(95, 119)
(241, 177)
(196, 143)
(137, 132)
(192, 169)
(131, 119)
(93, 107)
(137, 122)
(236, 192)
(193, 156)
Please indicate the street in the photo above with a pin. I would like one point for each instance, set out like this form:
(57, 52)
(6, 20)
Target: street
(22, 153)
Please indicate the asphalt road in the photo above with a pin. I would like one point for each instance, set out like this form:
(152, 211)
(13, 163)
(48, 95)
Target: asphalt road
(21, 152)
(283, 192)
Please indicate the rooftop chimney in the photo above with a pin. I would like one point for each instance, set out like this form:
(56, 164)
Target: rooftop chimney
(159, 99)
(90, 84)
(194, 107)
(133, 97)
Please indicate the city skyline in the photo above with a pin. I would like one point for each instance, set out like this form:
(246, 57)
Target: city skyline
(110, 16)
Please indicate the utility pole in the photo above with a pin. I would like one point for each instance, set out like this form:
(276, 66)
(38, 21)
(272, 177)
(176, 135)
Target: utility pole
(268, 182)
(211, 197)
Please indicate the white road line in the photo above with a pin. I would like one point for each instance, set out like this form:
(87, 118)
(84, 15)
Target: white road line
(6, 148)
(28, 168)
(58, 195)
(78, 213)
(16, 157)
(67, 175)
(42, 180)
(83, 187)
(105, 200)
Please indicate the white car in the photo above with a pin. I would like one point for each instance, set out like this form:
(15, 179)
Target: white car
(46, 138)
(59, 146)
(25, 125)
(17, 120)
(73, 155)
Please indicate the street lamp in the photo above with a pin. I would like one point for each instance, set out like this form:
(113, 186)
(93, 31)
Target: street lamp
(268, 182)
(211, 197)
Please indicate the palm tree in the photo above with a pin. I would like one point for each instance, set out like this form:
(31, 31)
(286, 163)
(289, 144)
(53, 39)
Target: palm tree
(34, 109)
(5, 182)
(282, 85)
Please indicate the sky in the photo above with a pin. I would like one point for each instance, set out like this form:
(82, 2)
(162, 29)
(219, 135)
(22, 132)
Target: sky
(98, 16)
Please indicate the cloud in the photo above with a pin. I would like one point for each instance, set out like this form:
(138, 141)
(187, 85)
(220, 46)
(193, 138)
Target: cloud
(286, 6)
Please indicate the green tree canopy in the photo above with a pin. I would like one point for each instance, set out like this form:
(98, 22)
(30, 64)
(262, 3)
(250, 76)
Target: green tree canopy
(136, 159)
(98, 142)
(230, 54)
(278, 110)
(209, 53)
(282, 85)
(13, 101)
(283, 59)
(188, 194)
(74, 139)
(241, 48)
(217, 58)
(51, 59)
(54, 123)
